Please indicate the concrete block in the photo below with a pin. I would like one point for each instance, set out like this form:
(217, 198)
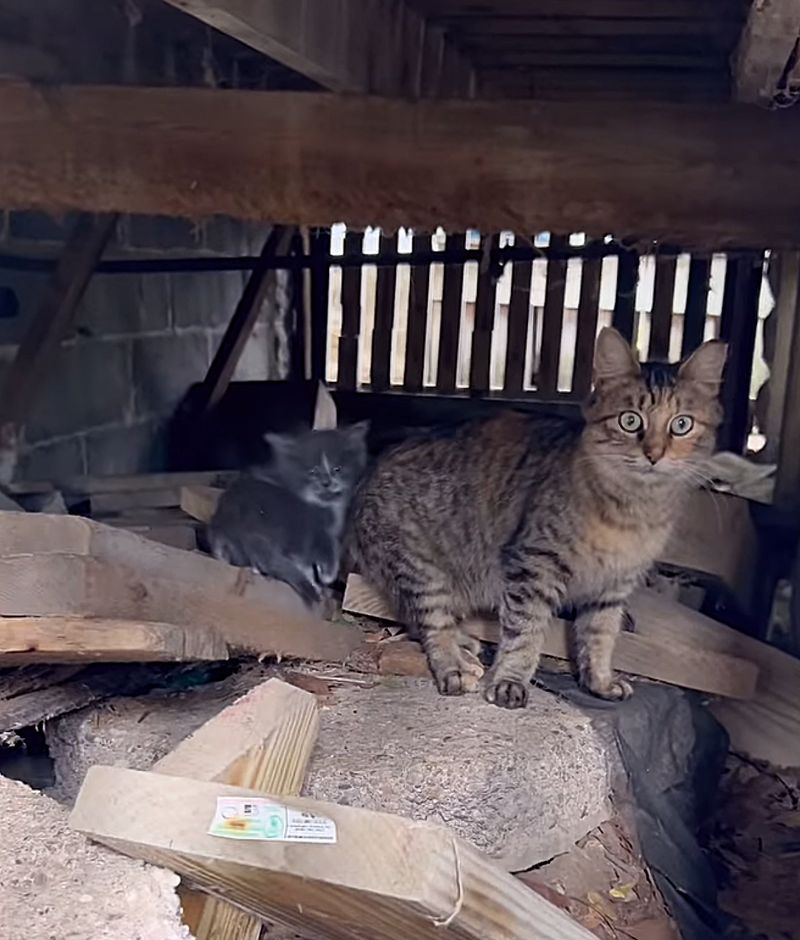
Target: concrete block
(163, 369)
(257, 361)
(89, 385)
(124, 303)
(522, 786)
(205, 299)
(54, 461)
(126, 450)
(163, 232)
(55, 883)
(226, 236)
(40, 226)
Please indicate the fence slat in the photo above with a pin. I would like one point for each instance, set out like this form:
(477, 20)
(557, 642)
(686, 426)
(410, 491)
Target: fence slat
(624, 318)
(320, 288)
(483, 326)
(451, 320)
(384, 319)
(351, 313)
(519, 313)
(694, 320)
(552, 322)
(738, 328)
(588, 310)
(419, 288)
(663, 305)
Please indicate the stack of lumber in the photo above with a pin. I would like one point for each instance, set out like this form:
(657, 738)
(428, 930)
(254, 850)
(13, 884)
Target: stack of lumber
(375, 876)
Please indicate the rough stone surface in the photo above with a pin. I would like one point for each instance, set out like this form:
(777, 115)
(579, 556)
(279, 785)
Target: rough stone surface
(55, 883)
(134, 449)
(522, 786)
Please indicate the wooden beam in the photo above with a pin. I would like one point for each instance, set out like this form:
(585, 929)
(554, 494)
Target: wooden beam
(263, 740)
(385, 877)
(200, 502)
(787, 480)
(54, 317)
(26, 640)
(767, 58)
(689, 174)
(350, 46)
(659, 659)
(244, 318)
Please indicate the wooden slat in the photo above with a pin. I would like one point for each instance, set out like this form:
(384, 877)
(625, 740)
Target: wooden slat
(624, 318)
(263, 740)
(351, 314)
(92, 639)
(700, 11)
(658, 658)
(588, 310)
(450, 325)
(599, 24)
(694, 320)
(386, 279)
(200, 502)
(553, 319)
(159, 150)
(483, 326)
(769, 39)
(320, 297)
(417, 318)
(135, 483)
(663, 304)
(244, 319)
(787, 483)
(56, 312)
(738, 325)
(519, 312)
(385, 877)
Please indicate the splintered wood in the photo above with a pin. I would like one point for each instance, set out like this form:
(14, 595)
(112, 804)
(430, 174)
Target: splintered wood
(385, 878)
(264, 741)
(658, 657)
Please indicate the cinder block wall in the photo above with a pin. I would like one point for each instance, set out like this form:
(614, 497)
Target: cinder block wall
(137, 344)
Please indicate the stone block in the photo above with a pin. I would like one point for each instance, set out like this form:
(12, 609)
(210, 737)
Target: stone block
(163, 369)
(54, 461)
(126, 450)
(88, 385)
(124, 304)
(207, 299)
(163, 232)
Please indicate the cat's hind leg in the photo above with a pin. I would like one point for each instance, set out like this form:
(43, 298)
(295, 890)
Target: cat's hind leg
(596, 629)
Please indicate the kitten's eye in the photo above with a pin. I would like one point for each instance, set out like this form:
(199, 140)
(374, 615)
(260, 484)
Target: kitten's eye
(681, 425)
(312, 472)
(336, 470)
(631, 422)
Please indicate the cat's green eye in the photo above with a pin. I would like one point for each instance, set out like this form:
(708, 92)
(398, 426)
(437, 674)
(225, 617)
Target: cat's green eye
(681, 425)
(631, 421)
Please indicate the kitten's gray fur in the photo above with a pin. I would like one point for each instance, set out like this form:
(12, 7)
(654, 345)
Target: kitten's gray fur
(285, 519)
(525, 516)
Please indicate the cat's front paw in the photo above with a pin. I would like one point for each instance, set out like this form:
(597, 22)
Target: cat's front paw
(507, 693)
(460, 678)
(617, 690)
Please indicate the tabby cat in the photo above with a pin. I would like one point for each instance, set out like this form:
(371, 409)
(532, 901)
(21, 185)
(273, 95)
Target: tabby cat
(527, 516)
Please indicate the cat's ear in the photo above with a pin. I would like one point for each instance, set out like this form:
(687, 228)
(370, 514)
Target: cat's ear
(324, 410)
(614, 358)
(279, 443)
(706, 366)
(358, 432)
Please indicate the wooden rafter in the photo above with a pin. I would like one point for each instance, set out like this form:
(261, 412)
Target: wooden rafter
(377, 47)
(693, 175)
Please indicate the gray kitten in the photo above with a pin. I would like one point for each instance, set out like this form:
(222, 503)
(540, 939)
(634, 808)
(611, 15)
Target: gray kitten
(526, 516)
(285, 519)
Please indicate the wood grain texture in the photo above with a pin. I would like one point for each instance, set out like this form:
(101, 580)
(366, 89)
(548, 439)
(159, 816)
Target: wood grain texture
(588, 310)
(200, 502)
(768, 726)
(519, 312)
(787, 482)
(483, 326)
(262, 741)
(351, 314)
(552, 323)
(694, 319)
(386, 280)
(385, 878)
(305, 159)
(91, 639)
(419, 291)
(624, 318)
(663, 304)
(450, 324)
(138, 483)
(653, 657)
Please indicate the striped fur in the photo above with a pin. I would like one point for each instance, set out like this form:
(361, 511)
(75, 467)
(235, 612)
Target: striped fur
(526, 516)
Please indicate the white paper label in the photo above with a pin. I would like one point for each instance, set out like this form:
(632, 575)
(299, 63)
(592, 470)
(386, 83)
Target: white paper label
(257, 818)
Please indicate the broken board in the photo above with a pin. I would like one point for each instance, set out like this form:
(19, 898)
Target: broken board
(383, 878)
(661, 659)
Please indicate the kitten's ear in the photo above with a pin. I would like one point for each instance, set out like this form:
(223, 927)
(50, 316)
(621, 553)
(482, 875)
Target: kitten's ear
(706, 365)
(358, 432)
(279, 443)
(324, 410)
(613, 357)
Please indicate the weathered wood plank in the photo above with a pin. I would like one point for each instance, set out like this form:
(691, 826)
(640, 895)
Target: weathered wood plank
(26, 640)
(519, 312)
(200, 502)
(483, 326)
(385, 877)
(662, 659)
(588, 310)
(306, 159)
(386, 280)
(351, 314)
(450, 324)
(552, 323)
(419, 290)
(694, 319)
(263, 740)
(663, 303)
(624, 318)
